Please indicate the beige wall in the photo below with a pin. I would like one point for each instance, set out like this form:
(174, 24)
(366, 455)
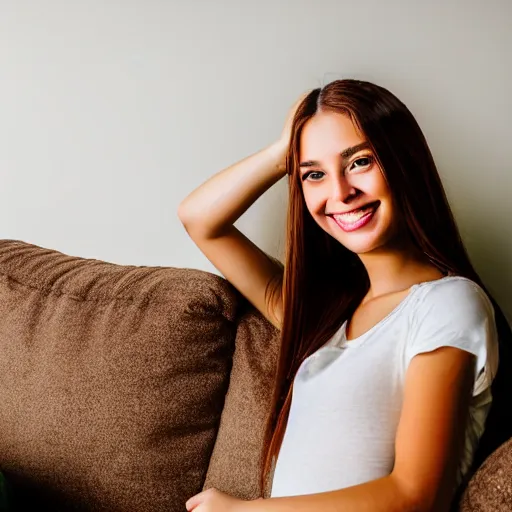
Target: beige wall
(111, 112)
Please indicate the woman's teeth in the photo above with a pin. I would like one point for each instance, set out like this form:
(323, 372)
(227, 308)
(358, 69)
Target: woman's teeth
(355, 220)
(350, 217)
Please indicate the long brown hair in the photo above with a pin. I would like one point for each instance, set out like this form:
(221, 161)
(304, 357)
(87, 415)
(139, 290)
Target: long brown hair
(323, 282)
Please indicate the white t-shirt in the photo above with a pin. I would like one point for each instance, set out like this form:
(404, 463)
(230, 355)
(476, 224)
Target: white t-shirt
(347, 396)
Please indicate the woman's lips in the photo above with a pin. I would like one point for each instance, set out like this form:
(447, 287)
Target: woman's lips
(355, 220)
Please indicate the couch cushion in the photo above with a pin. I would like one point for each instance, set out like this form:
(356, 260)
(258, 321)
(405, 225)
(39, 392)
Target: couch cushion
(237, 458)
(490, 489)
(112, 380)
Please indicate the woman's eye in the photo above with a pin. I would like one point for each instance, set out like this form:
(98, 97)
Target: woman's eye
(312, 176)
(362, 162)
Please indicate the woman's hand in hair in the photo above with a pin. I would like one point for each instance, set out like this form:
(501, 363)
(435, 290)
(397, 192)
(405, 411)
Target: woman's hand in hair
(284, 139)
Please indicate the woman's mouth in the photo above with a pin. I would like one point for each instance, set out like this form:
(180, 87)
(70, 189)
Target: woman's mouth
(356, 219)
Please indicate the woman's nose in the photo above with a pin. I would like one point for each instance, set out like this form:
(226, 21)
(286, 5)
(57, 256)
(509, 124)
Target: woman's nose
(343, 190)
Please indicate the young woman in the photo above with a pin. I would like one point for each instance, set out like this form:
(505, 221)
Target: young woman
(389, 342)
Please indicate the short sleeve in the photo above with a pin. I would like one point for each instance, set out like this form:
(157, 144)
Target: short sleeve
(456, 312)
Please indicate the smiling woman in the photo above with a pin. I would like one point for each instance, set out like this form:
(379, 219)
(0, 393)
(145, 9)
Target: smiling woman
(345, 190)
(389, 340)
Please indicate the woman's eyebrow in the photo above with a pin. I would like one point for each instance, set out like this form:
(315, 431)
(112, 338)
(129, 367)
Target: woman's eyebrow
(345, 154)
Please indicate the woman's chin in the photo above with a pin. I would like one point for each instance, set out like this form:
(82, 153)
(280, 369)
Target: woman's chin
(362, 248)
(362, 243)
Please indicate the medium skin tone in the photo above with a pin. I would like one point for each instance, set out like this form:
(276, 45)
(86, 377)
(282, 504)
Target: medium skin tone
(438, 384)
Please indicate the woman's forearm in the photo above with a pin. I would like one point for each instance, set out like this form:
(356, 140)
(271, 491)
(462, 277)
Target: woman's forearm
(221, 200)
(382, 495)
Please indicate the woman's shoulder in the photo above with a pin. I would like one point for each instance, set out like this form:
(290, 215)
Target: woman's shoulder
(454, 299)
(455, 311)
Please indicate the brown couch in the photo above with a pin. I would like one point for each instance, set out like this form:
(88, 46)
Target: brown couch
(129, 388)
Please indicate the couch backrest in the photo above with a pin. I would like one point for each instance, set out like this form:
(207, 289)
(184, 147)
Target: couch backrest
(112, 380)
(237, 458)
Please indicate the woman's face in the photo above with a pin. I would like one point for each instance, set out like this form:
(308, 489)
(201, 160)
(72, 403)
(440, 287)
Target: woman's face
(344, 187)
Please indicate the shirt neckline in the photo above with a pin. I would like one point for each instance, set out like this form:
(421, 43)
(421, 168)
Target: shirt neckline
(360, 339)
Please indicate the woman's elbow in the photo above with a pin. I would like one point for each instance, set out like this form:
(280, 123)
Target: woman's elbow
(422, 498)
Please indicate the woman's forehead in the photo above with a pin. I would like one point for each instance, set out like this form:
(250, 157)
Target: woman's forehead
(328, 133)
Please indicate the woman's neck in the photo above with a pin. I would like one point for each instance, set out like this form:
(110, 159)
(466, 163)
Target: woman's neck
(393, 269)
